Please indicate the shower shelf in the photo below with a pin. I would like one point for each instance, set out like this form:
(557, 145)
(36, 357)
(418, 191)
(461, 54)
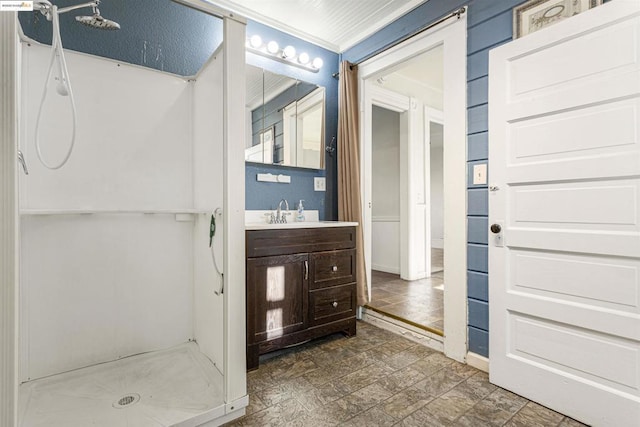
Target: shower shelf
(112, 211)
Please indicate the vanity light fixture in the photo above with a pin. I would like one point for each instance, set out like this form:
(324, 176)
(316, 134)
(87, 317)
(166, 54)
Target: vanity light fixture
(289, 52)
(287, 55)
(303, 58)
(272, 47)
(255, 41)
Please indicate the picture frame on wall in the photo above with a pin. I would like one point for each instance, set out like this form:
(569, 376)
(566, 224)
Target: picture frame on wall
(534, 15)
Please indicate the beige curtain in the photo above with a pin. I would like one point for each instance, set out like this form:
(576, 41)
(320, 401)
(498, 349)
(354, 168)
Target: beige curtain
(349, 200)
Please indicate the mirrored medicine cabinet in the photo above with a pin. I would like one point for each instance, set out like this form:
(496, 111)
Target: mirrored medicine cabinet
(285, 120)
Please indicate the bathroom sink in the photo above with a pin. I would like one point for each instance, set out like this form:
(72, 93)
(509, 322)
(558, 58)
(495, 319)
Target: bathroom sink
(259, 220)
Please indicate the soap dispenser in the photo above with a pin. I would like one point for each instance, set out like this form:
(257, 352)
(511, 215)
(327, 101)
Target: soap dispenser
(300, 216)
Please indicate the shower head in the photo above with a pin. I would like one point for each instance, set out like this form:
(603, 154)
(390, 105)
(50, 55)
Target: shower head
(97, 21)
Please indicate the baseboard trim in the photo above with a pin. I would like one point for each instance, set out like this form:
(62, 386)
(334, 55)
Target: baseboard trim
(478, 361)
(399, 327)
(385, 269)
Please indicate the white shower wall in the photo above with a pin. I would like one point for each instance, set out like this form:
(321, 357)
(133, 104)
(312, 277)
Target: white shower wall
(208, 185)
(133, 145)
(113, 249)
(95, 288)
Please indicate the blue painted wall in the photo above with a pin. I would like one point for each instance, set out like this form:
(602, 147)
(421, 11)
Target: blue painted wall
(163, 35)
(262, 195)
(157, 34)
(489, 24)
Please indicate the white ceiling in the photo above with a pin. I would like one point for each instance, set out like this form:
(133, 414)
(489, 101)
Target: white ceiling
(333, 24)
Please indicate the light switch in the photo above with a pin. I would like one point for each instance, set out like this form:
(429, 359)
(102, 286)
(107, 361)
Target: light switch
(480, 174)
(319, 183)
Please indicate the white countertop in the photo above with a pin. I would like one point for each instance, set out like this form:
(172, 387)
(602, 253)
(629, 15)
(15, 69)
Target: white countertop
(306, 224)
(259, 220)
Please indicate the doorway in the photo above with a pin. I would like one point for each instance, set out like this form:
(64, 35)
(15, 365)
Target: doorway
(407, 282)
(379, 89)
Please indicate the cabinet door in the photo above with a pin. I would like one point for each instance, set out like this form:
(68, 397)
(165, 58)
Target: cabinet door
(276, 296)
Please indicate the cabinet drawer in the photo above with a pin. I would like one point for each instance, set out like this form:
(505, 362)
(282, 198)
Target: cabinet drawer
(327, 305)
(333, 268)
(261, 243)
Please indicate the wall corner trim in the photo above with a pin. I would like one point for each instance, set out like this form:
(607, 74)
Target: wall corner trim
(477, 361)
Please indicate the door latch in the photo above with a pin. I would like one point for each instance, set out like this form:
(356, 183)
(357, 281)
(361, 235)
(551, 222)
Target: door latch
(496, 233)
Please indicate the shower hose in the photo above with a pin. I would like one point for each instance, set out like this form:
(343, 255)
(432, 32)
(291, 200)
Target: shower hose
(212, 233)
(63, 88)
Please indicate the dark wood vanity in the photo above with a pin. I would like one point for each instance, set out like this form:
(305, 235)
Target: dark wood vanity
(300, 286)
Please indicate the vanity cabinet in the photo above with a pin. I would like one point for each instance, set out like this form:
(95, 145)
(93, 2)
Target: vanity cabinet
(300, 286)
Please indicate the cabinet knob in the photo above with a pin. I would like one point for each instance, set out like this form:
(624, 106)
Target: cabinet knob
(334, 304)
(334, 268)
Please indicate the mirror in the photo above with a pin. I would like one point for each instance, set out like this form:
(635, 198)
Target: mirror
(285, 120)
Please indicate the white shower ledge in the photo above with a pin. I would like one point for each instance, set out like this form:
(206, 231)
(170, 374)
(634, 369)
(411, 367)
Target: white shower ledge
(111, 211)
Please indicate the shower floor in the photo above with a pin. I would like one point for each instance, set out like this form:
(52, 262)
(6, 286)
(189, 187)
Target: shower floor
(163, 388)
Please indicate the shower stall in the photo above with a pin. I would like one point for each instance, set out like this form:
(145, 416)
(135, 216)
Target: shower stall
(112, 310)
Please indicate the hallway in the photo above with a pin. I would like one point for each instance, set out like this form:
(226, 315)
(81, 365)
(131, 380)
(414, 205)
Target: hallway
(378, 378)
(419, 301)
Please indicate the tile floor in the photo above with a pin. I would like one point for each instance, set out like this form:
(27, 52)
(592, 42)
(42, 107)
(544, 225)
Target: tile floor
(437, 260)
(378, 378)
(420, 301)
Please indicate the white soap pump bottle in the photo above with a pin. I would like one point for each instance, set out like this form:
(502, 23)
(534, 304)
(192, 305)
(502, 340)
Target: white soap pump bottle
(300, 216)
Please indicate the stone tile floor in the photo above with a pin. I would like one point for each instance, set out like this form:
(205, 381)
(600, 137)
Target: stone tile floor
(420, 301)
(378, 378)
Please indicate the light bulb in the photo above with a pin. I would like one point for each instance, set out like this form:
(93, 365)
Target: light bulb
(289, 52)
(273, 47)
(318, 63)
(303, 58)
(255, 41)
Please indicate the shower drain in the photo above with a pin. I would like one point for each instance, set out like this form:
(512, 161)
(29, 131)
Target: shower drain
(128, 400)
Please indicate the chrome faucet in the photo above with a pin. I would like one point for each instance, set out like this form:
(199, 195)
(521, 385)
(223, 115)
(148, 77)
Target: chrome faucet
(22, 162)
(281, 218)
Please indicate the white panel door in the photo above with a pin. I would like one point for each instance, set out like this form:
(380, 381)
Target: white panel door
(564, 268)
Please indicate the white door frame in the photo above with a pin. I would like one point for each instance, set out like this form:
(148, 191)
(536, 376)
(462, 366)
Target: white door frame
(452, 34)
(392, 101)
(431, 115)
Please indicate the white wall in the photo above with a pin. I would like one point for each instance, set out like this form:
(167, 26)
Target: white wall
(385, 251)
(96, 287)
(437, 211)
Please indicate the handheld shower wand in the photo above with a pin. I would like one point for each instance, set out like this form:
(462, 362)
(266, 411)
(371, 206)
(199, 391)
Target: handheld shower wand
(63, 86)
